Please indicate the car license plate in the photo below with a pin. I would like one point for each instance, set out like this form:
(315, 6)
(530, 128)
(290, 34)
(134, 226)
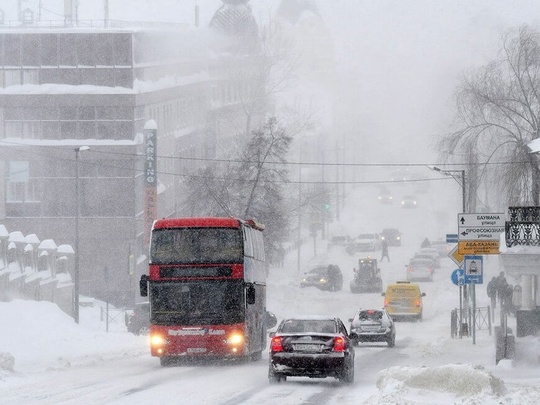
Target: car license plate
(196, 350)
(307, 347)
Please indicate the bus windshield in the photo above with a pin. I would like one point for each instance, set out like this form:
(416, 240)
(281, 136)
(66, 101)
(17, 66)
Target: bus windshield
(216, 302)
(196, 245)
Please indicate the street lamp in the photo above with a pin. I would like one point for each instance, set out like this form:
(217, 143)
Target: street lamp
(462, 184)
(77, 215)
(463, 296)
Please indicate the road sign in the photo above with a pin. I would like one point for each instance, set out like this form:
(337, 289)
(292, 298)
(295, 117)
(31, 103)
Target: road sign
(451, 238)
(458, 277)
(480, 233)
(456, 257)
(482, 220)
(474, 269)
(479, 247)
(478, 226)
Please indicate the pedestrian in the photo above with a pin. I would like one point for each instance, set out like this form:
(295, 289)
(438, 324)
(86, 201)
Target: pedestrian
(384, 248)
(492, 292)
(502, 285)
(425, 243)
(507, 299)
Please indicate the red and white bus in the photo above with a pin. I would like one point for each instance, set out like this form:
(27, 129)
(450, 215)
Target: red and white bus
(207, 289)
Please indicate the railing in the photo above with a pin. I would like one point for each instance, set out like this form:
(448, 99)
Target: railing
(523, 229)
(459, 321)
(100, 23)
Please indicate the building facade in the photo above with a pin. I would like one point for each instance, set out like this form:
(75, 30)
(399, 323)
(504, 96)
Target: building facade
(63, 88)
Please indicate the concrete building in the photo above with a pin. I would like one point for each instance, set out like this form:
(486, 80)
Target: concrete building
(65, 87)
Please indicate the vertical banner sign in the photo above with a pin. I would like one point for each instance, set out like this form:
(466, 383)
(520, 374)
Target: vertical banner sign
(150, 180)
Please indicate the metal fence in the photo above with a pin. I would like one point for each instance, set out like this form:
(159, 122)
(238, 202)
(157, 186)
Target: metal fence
(462, 321)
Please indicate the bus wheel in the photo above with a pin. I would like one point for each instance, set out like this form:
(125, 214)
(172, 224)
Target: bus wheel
(165, 361)
(256, 356)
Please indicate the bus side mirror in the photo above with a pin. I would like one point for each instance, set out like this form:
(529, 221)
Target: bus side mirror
(250, 294)
(143, 285)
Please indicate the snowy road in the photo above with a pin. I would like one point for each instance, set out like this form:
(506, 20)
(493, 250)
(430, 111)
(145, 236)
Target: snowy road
(134, 377)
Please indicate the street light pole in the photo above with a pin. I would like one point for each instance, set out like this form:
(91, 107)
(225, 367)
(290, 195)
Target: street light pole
(463, 296)
(462, 184)
(77, 215)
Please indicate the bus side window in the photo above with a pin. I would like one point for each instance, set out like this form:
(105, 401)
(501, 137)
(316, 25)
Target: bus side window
(143, 285)
(250, 294)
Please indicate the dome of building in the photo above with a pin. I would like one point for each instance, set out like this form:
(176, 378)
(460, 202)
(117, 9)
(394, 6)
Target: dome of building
(235, 18)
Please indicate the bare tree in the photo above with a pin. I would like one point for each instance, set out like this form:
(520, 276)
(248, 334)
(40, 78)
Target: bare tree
(498, 114)
(250, 186)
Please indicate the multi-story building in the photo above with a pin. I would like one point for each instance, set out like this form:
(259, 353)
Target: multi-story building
(66, 87)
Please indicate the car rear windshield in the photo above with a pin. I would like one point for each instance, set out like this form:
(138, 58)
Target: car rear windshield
(306, 326)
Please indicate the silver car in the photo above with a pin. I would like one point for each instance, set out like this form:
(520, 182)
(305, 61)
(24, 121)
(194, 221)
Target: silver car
(373, 325)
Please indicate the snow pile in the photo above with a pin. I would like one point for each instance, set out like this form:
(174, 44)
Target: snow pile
(398, 383)
(46, 338)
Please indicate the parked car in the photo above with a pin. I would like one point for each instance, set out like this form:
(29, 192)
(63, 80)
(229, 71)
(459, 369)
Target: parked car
(138, 319)
(339, 240)
(420, 269)
(392, 236)
(434, 253)
(314, 347)
(442, 247)
(408, 201)
(403, 299)
(373, 325)
(270, 320)
(365, 242)
(324, 277)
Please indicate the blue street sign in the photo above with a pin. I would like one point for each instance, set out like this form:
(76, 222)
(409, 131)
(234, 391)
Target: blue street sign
(474, 272)
(451, 238)
(458, 277)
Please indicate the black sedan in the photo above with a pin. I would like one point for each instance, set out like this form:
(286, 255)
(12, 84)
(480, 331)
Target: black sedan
(315, 347)
(324, 277)
(373, 325)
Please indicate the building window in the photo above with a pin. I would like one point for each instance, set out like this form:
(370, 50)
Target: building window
(49, 50)
(30, 76)
(12, 77)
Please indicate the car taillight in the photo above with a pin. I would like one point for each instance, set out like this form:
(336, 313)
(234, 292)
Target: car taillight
(409, 269)
(339, 344)
(430, 270)
(276, 345)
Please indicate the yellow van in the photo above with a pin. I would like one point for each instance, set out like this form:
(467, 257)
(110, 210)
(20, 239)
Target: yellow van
(403, 299)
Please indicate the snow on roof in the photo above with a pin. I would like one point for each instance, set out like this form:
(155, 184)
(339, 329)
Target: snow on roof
(31, 238)
(65, 249)
(16, 236)
(47, 244)
(3, 231)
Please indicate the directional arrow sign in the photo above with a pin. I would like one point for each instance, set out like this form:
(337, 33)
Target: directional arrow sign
(481, 232)
(458, 277)
(481, 220)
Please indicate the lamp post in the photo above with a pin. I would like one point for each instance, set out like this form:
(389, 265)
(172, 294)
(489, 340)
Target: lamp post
(77, 215)
(463, 296)
(462, 184)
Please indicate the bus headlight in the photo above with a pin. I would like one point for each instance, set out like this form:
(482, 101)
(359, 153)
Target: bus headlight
(236, 339)
(157, 341)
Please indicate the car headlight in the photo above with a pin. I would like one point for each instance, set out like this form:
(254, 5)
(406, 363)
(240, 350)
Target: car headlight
(323, 280)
